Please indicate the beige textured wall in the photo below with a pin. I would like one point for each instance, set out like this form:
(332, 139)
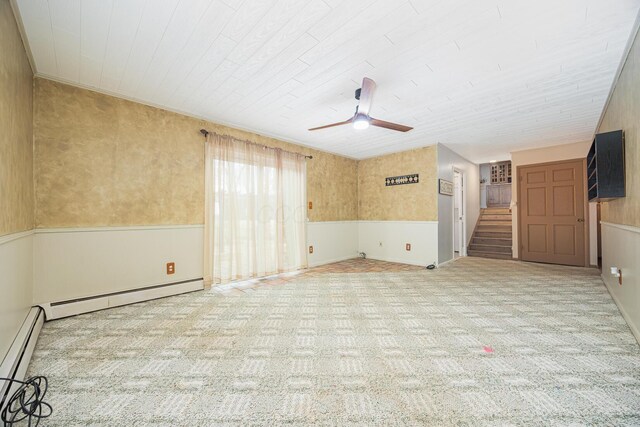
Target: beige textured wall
(623, 113)
(16, 122)
(16, 179)
(105, 161)
(411, 202)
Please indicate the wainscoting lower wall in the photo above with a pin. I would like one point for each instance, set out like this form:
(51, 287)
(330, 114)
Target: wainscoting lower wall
(74, 263)
(84, 262)
(16, 278)
(78, 263)
(386, 241)
(332, 241)
(621, 248)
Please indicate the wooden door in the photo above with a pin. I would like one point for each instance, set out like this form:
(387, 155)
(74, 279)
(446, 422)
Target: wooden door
(552, 213)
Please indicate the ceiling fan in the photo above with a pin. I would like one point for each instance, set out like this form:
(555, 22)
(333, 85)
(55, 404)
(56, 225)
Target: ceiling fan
(361, 119)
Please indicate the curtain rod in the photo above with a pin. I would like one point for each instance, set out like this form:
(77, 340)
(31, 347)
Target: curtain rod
(206, 133)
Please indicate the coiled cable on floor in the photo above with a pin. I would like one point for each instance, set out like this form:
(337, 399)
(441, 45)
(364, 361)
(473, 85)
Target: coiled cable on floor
(27, 402)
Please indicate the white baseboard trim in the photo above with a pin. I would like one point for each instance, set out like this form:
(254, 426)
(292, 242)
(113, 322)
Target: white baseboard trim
(440, 264)
(17, 360)
(625, 315)
(396, 260)
(331, 261)
(100, 302)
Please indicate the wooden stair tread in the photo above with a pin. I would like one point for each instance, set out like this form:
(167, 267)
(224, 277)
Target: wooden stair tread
(488, 251)
(495, 210)
(489, 255)
(490, 248)
(493, 237)
(493, 241)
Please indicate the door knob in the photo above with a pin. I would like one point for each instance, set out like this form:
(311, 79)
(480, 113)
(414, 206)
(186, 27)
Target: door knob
(580, 219)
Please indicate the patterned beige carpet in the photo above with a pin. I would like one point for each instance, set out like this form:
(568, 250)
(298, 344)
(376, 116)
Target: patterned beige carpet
(478, 342)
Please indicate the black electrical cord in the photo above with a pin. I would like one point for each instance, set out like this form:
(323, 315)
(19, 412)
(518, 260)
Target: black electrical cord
(27, 402)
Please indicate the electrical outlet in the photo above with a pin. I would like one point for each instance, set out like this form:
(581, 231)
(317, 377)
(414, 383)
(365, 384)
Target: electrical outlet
(310, 249)
(171, 267)
(616, 272)
(408, 246)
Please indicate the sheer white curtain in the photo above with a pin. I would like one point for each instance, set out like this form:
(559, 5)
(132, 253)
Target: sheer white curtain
(255, 210)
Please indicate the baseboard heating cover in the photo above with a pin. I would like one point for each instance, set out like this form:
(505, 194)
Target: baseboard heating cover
(57, 310)
(17, 359)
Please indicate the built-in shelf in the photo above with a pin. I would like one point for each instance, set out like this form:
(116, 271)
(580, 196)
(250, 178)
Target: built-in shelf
(501, 173)
(605, 167)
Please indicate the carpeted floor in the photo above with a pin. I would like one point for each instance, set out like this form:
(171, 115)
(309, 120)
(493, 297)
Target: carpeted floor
(477, 342)
(354, 265)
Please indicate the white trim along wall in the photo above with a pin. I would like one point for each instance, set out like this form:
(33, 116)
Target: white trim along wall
(16, 290)
(621, 248)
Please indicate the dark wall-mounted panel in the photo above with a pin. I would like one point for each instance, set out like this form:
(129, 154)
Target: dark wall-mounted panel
(605, 167)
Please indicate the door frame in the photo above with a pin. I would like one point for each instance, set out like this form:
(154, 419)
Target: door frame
(463, 221)
(585, 203)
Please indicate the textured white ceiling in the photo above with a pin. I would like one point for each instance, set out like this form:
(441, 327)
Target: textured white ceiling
(482, 77)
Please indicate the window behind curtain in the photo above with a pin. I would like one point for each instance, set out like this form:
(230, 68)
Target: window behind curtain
(255, 210)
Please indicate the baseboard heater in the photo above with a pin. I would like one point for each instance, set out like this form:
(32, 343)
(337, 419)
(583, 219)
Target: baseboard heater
(60, 309)
(17, 360)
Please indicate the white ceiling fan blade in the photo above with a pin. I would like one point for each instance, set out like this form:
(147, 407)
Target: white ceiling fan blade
(366, 96)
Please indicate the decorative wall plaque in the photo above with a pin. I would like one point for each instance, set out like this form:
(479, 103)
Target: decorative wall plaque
(401, 180)
(445, 187)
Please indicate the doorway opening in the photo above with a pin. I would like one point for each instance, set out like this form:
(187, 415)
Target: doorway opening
(459, 228)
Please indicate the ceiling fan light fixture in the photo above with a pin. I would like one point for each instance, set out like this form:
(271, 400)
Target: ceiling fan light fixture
(361, 122)
(361, 119)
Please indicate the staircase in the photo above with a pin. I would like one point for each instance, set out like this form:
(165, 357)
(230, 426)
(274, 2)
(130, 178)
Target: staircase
(492, 236)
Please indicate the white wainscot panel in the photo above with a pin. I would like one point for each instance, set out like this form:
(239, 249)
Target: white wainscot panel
(621, 248)
(386, 240)
(80, 263)
(332, 241)
(16, 278)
